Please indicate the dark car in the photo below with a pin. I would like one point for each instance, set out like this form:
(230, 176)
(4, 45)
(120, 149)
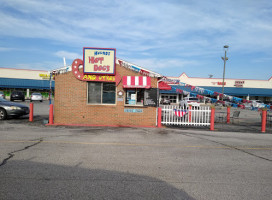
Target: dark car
(17, 95)
(11, 109)
(165, 102)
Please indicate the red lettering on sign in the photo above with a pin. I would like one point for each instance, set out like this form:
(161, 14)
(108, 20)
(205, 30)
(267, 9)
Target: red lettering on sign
(96, 60)
(102, 68)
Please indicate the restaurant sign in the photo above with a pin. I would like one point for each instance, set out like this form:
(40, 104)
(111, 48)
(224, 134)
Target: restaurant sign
(87, 77)
(99, 61)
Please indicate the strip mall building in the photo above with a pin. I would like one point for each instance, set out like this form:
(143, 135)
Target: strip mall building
(25, 80)
(248, 89)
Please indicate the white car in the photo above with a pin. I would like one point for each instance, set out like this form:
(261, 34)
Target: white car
(36, 97)
(189, 101)
(2, 95)
(257, 104)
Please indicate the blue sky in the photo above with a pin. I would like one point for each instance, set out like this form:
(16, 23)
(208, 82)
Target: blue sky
(168, 37)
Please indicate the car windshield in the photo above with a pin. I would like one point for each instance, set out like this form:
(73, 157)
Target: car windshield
(1, 92)
(36, 93)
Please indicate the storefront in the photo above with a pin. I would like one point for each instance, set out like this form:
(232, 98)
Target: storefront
(248, 89)
(105, 91)
(27, 81)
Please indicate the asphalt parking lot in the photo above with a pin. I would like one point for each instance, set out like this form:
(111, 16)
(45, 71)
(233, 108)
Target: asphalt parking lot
(41, 162)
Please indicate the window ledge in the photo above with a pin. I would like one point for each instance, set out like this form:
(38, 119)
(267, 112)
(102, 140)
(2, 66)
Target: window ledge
(88, 104)
(128, 105)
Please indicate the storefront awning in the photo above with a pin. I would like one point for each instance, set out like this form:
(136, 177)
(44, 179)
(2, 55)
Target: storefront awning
(164, 86)
(136, 82)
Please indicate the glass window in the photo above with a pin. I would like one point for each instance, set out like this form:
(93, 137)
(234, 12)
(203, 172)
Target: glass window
(101, 93)
(135, 96)
(108, 96)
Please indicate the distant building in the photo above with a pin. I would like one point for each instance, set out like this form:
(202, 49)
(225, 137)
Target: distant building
(249, 89)
(25, 80)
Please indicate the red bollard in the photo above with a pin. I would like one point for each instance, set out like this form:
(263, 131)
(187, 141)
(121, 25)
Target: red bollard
(51, 115)
(159, 117)
(190, 113)
(228, 115)
(31, 112)
(212, 118)
(263, 120)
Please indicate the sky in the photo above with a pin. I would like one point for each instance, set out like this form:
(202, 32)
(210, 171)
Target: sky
(168, 37)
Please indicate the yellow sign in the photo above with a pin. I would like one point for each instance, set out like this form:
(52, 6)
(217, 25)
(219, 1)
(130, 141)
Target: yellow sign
(99, 78)
(45, 76)
(99, 61)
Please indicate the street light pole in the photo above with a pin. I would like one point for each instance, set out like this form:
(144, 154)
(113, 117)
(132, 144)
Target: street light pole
(225, 59)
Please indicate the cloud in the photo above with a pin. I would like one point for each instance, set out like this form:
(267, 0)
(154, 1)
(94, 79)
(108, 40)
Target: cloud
(177, 31)
(36, 65)
(68, 55)
(6, 49)
(157, 64)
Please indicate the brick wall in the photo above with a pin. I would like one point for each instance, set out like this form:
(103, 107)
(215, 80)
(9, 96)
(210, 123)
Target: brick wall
(70, 105)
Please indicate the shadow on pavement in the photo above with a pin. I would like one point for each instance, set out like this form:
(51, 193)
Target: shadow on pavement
(32, 180)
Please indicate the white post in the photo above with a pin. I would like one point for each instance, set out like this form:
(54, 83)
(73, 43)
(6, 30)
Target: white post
(27, 93)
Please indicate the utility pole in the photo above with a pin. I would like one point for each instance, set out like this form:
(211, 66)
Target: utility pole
(226, 47)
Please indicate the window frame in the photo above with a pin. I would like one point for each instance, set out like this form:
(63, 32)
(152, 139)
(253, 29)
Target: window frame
(125, 97)
(101, 95)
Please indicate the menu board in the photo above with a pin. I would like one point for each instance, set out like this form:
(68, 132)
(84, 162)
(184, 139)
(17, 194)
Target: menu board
(151, 97)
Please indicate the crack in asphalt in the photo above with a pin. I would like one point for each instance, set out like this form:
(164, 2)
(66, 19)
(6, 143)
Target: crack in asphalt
(12, 154)
(229, 146)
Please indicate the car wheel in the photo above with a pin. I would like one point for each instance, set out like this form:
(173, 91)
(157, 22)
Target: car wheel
(11, 99)
(41, 100)
(23, 100)
(3, 114)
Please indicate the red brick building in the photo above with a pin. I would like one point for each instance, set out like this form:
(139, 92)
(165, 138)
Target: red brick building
(129, 98)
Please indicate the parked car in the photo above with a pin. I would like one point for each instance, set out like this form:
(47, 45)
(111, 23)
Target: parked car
(257, 104)
(2, 95)
(227, 102)
(165, 102)
(11, 109)
(189, 101)
(36, 97)
(17, 95)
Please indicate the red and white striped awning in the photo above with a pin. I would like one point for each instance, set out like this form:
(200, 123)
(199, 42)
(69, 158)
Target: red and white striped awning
(136, 82)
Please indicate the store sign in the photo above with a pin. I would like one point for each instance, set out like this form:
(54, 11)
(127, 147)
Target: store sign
(239, 84)
(135, 68)
(127, 110)
(218, 83)
(99, 61)
(99, 78)
(151, 97)
(45, 76)
(86, 77)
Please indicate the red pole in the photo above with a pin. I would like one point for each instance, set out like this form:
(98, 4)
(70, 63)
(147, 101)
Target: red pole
(263, 120)
(190, 113)
(228, 114)
(31, 112)
(212, 118)
(51, 115)
(159, 117)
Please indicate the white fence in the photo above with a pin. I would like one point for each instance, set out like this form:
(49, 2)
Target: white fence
(195, 116)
